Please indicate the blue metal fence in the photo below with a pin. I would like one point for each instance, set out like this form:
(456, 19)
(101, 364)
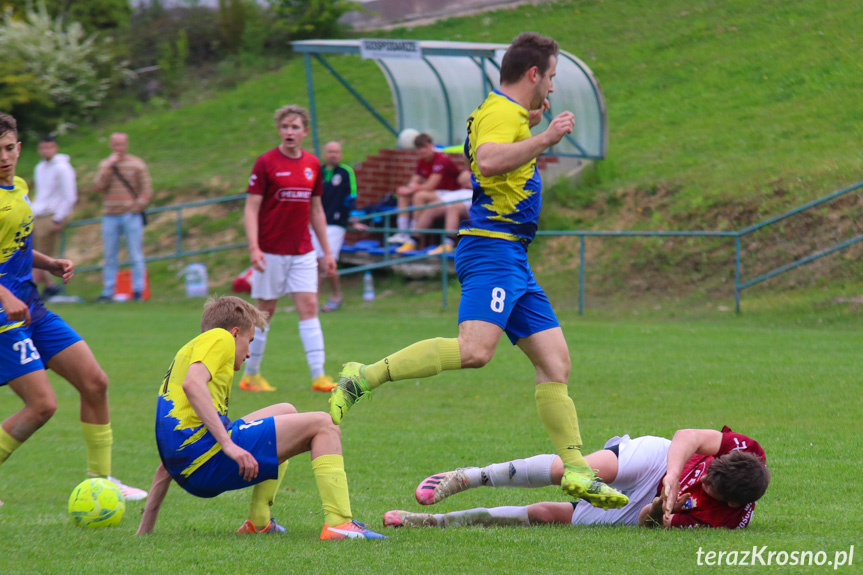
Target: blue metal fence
(387, 261)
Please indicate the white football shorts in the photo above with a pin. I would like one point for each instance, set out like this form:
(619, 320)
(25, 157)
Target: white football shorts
(284, 275)
(336, 236)
(641, 466)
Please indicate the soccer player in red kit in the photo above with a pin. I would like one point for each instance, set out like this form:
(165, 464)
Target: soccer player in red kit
(284, 198)
(700, 478)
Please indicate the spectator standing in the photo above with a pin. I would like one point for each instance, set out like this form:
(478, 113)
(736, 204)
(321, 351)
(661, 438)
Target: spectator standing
(125, 181)
(339, 200)
(56, 194)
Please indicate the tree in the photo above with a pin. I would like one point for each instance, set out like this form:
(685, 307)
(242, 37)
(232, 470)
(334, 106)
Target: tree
(53, 74)
(93, 15)
(312, 18)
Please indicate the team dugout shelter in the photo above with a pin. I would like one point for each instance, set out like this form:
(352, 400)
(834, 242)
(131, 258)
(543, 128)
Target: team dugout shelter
(436, 85)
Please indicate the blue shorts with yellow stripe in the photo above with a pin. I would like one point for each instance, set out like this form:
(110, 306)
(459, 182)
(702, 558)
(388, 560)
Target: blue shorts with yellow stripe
(220, 473)
(26, 349)
(498, 286)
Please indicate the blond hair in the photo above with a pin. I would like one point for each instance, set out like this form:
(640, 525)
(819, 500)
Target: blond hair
(293, 110)
(229, 311)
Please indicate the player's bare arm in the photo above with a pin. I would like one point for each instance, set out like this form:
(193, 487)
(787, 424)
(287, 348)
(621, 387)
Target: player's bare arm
(61, 268)
(685, 444)
(161, 483)
(250, 221)
(411, 188)
(319, 224)
(195, 388)
(15, 309)
(495, 158)
(431, 184)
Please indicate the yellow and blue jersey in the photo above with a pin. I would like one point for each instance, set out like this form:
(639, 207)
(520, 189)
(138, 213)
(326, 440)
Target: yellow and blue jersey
(16, 251)
(507, 205)
(182, 438)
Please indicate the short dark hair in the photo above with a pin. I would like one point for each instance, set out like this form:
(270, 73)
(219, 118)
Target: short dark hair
(738, 477)
(48, 139)
(422, 140)
(7, 124)
(529, 49)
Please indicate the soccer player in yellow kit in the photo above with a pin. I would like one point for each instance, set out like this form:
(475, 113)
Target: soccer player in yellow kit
(207, 454)
(33, 338)
(499, 292)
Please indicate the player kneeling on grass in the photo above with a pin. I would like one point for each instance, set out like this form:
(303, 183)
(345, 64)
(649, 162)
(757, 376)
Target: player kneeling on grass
(208, 454)
(704, 478)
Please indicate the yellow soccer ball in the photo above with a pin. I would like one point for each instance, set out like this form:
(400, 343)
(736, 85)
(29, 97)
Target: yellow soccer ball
(96, 502)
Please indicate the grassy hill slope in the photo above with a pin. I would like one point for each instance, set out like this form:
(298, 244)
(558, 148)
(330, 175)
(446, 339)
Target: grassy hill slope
(720, 113)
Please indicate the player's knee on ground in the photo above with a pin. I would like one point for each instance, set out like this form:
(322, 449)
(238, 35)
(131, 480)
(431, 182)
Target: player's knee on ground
(549, 513)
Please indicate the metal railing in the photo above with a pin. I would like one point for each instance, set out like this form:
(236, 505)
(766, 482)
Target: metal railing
(388, 261)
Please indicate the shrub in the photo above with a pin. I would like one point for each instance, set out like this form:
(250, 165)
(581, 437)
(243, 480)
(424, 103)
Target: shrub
(67, 73)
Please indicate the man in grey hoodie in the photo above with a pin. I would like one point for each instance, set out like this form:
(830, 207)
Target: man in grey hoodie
(56, 194)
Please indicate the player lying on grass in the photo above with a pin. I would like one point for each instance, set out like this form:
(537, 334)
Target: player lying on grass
(34, 339)
(208, 454)
(703, 477)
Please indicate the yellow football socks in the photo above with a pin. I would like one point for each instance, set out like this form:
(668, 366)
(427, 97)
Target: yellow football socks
(422, 359)
(99, 439)
(263, 496)
(332, 483)
(8, 444)
(558, 416)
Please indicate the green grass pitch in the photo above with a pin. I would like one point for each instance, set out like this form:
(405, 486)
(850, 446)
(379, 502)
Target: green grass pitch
(786, 378)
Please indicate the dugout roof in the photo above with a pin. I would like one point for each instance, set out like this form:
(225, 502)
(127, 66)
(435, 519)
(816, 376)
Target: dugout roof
(436, 85)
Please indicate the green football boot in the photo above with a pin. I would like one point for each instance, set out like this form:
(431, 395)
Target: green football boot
(351, 387)
(582, 482)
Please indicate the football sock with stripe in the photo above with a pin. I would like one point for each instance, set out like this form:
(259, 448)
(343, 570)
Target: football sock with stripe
(313, 342)
(263, 496)
(99, 439)
(422, 359)
(332, 483)
(8, 444)
(528, 473)
(560, 420)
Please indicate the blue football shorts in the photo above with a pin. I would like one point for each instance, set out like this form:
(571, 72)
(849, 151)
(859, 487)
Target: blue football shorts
(498, 286)
(27, 349)
(220, 473)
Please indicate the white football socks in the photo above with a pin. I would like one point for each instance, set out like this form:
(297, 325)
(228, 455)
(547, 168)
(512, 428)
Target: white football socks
(313, 342)
(256, 351)
(528, 473)
(502, 516)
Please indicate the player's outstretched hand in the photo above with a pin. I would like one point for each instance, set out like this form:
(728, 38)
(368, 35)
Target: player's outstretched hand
(329, 265)
(561, 125)
(245, 460)
(62, 269)
(534, 117)
(670, 492)
(16, 310)
(259, 261)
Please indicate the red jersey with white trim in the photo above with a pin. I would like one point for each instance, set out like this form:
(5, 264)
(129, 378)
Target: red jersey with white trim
(287, 185)
(443, 165)
(706, 510)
